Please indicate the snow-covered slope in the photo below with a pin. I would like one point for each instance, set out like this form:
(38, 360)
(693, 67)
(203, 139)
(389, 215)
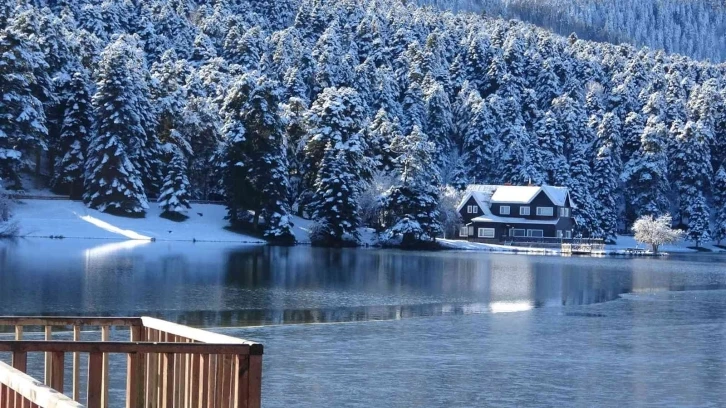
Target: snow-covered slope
(72, 219)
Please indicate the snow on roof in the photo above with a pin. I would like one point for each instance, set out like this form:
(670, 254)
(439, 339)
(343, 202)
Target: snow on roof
(515, 194)
(485, 194)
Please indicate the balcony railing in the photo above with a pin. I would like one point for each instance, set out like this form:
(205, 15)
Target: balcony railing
(167, 365)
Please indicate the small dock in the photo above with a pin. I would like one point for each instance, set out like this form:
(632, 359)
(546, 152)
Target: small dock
(167, 365)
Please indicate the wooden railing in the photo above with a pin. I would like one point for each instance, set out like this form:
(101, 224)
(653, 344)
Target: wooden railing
(168, 365)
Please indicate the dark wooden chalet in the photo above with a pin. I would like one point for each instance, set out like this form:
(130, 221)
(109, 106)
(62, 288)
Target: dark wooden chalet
(495, 214)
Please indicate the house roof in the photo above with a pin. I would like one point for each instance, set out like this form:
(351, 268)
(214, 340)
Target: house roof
(485, 194)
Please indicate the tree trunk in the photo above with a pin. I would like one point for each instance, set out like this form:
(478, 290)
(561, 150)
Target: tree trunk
(655, 249)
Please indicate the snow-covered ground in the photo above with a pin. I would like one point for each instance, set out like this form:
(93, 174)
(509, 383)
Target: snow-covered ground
(624, 242)
(72, 219)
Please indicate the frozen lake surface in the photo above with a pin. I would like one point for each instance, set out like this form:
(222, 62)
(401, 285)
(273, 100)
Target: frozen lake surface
(448, 329)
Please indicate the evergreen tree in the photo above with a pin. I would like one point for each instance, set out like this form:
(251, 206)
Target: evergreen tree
(646, 174)
(113, 181)
(175, 192)
(410, 205)
(719, 195)
(692, 176)
(481, 145)
(256, 153)
(334, 206)
(22, 118)
(76, 132)
(606, 176)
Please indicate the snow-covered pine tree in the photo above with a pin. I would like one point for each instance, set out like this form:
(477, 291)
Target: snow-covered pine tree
(481, 145)
(76, 132)
(517, 164)
(646, 174)
(337, 116)
(410, 205)
(22, 119)
(439, 120)
(113, 179)
(380, 133)
(175, 192)
(606, 170)
(335, 206)
(692, 164)
(256, 152)
(550, 156)
(579, 185)
(719, 200)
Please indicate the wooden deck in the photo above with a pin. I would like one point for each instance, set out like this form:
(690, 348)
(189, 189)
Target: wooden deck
(168, 365)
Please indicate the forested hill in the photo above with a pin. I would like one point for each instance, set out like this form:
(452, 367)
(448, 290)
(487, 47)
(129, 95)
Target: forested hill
(696, 28)
(352, 112)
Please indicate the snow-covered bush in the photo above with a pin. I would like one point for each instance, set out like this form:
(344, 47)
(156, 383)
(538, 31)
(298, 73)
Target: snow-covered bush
(656, 231)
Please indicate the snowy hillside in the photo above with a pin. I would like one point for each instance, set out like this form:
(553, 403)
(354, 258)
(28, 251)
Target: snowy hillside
(357, 112)
(72, 219)
(695, 28)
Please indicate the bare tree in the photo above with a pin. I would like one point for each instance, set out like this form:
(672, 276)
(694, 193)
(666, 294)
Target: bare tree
(656, 231)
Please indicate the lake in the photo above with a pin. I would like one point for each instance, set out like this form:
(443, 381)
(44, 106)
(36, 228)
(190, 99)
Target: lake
(387, 328)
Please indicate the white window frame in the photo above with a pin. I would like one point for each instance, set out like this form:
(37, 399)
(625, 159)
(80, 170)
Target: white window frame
(530, 231)
(564, 212)
(471, 231)
(502, 212)
(545, 211)
(486, 233)
(472, 209)
(560, 234)
(524, 210)
(513, 233)
(464, 232)
(568, 234)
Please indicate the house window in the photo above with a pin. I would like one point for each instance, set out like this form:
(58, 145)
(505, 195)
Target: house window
(535, 233)
(564, 212)
(471, 232)
(523, 210)
(464, 232)
(559, 234)
(472, 209)
(516, 232)
(486, 232)
(545, 211)
(504, 210)
(568, 234)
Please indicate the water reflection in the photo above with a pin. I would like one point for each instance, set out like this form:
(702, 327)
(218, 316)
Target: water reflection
(213, 284)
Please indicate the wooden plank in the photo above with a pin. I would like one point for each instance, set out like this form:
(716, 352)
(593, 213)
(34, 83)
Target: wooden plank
(18, 332)
(203, 380)
(48, 368)
(57, 370)
(211, 380)
(20, 361)
(226, 390)
(243, 381)
(168, 381)
(69, 321)
(21, 385)
(105, 336)
(122, 347)
(255, 382)
(196, 376)
(135, 371)
(219, 378)
(76, 366)
(95, 380)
